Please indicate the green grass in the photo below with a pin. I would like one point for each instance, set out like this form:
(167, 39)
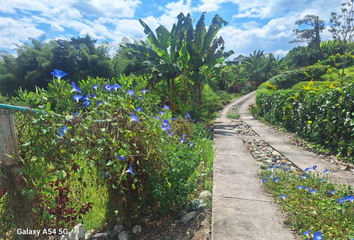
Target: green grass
(335, 74)
(233, 115)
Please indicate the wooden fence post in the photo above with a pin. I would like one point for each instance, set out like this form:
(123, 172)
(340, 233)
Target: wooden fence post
(8, 146)
(11, 181)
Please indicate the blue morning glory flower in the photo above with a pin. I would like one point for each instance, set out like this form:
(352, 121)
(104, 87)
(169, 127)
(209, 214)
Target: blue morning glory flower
(341, 200)
(187, 115)
(307, 169)
(130, 170)
(317, 236)
(275, 167)
(166, 127)
(174, 119)
(99, 103)
(58, 74)
(138, 97)
(285, 165)
(287, 169)
(306, 233)
(85, 98)
(321, 180)
(306, 188)
(120, 157)
(157, 118)
(138, 109)
(130, 92)
(107, 87)
(325, 171)
(183, 140)
(349, 198)
(77, 98)
(86, 104)
(283, 196)
(299, 187)
(275, 179)
(134, 118)
(162, 112)
(270, 176)
(92, 95)
(75, 88)
(166, 107)
(95, 87)
(332, 192)
(115, 86)
(304, 176)
(191, 144)
(265, 180)
(144, 91)
(63, 131)
(105, 174)
(76, 113)
(314, 167)
(313, 191)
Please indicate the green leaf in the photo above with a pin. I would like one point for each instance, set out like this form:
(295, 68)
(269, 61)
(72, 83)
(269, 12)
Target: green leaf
(109, 163)
(164, 37)
(154, 42)
(183, 56)
(26, 144)
(199, 34)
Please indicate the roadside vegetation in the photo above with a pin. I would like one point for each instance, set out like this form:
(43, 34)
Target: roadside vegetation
(135, 126)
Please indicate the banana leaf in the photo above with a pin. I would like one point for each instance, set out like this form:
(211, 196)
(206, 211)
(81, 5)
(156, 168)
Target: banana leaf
(154, 42)
(164, 37)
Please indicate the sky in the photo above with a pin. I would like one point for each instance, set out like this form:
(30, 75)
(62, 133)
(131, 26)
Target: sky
(265, 25)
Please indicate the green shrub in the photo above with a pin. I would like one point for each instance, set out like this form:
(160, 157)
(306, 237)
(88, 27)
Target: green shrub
(323, 116)
(69, 150)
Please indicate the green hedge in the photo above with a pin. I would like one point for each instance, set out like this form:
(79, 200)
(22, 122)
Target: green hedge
(321, 116)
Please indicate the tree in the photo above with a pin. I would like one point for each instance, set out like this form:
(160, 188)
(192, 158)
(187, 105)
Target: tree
(184, 54)
(343, 30)
(312, 35)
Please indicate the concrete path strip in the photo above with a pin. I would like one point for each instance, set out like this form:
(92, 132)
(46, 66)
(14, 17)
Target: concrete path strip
(241, 208)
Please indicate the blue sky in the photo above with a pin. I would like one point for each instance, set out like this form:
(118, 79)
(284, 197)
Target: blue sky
(253, 24)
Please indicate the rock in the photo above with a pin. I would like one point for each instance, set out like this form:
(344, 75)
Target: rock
(284, 161)
(77, 232)
(136, 229)
(275, 153)
(195, 205)
(189, 216)
(182, 213)
(205, 194)
(117, 229)
(124, 235)
(104, 235)
(88, 234)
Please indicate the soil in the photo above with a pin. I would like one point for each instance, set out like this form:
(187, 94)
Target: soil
(170, 227)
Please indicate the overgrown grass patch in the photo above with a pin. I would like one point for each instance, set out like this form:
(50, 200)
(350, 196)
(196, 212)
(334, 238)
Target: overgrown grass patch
(312, 201)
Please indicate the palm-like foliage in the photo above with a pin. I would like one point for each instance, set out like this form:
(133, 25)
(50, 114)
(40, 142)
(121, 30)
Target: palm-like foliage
(185, 53)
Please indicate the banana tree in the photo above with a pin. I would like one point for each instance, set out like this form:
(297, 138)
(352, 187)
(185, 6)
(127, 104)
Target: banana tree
(183, 54)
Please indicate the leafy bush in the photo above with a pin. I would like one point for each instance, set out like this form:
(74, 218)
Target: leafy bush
(134, 137)
(322, 116)
(313, 202)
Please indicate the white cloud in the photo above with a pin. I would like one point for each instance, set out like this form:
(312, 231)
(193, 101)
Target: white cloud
(250, 25)
(14, 31)
(280, 53)
(268, 38)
